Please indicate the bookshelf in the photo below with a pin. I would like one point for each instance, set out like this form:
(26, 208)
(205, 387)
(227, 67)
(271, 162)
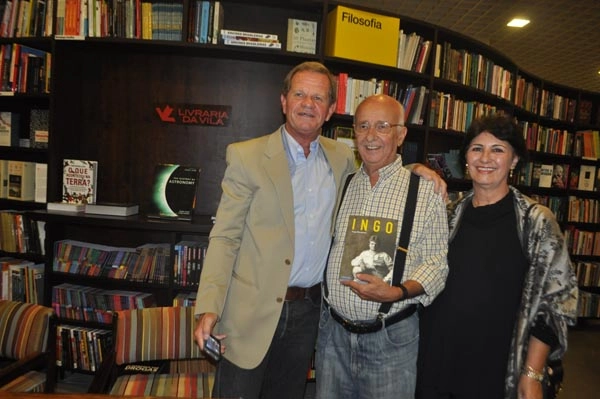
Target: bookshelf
(106, 88)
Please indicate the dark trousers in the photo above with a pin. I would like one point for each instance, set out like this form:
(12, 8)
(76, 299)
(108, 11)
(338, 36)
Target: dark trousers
(283, 371)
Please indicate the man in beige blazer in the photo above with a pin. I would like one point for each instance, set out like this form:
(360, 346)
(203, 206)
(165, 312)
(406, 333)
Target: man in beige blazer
(260, 288)
(260, 284)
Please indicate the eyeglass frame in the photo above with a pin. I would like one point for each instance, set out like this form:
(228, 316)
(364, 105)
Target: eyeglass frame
(386, 125)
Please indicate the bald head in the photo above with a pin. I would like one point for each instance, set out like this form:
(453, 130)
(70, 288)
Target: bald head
(384, 102)
(379, 131)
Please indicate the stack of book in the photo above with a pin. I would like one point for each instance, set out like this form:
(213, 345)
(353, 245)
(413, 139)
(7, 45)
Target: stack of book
(250, 39)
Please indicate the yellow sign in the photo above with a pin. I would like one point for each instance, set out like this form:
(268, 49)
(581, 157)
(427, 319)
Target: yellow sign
(362, 36)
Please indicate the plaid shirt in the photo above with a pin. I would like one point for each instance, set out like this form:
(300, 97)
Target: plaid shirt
(426, 260)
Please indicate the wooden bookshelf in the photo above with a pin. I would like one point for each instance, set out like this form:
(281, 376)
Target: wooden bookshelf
(105, 92)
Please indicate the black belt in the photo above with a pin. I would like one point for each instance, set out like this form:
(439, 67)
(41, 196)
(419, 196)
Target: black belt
(373, 326)
(300, 293)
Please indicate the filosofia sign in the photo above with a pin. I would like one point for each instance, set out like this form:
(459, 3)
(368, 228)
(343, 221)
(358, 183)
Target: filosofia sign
(194, 114)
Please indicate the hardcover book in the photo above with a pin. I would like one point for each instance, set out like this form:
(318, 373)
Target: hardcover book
(65, 206)
(41, 182)
(38, 128)
(9, 129)
(370, 247)
(21, 180)
(546, 175)
(587, 177)
(174, 192)
(79, 181)
(112, 209)
(301, 36)
(3, 178)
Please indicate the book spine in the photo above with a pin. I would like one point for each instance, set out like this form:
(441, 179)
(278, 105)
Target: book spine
(234, 42)
(225, 32)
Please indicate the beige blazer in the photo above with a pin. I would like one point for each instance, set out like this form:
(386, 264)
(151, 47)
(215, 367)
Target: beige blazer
(250, 255)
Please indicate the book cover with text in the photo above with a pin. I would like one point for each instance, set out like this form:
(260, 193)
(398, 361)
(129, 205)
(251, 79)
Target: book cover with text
(174, 192)
(369, 247)
(79, 181)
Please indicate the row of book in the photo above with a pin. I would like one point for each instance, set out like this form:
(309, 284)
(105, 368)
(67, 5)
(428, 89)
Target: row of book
(587, 144)
(21, 234)
(78, 302)
(558, 175)
(555, 106)
(589, 304)
(147, 263)
(582, 242)
(10, 134)
(472, 70)
(588, 273)
(24, 69)
(21, 280)
(26, 18)
(547, 139)
(450, 113)
(206, 21)
(413, 52)
(526, 95)
(185, 299)
(153, 20)
(82, 348)
(189, 258)
(23, 180)
(583, 210)
(352, 91)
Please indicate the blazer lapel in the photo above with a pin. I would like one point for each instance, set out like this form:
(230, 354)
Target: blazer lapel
(277, 168)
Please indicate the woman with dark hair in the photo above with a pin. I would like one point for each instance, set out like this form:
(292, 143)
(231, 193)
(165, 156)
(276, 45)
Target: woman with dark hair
(510, 293)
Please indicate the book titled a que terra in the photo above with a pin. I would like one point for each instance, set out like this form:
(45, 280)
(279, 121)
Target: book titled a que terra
(80, 178)
(174, 192)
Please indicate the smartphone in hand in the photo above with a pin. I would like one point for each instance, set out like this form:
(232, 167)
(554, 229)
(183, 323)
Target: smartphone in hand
(212, 347)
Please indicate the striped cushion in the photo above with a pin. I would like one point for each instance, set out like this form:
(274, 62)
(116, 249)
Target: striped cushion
(32, 381)
(23, 328)
(155, 333)
(173, 385)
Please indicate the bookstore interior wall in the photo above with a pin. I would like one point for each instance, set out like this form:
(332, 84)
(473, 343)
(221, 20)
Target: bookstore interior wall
(103, 90)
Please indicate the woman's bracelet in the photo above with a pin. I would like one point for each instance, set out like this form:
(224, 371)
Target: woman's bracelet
(531, 373)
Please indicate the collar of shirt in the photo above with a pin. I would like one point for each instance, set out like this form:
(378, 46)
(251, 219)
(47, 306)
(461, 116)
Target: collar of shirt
(386, 171)
(294, 151)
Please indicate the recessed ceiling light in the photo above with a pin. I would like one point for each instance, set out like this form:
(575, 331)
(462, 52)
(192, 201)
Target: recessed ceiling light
(518, 23)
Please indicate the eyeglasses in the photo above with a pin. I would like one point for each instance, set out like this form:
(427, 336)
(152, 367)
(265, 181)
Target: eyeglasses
(380, 127)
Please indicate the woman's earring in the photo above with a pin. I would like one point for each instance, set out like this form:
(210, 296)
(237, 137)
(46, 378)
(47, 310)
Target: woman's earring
(466, 170)
(510, 175)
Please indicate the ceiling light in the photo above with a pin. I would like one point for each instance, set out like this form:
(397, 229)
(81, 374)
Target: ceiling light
(518, 23)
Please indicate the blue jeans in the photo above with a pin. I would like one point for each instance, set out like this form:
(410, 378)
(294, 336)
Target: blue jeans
(378, 365)
(283, 371)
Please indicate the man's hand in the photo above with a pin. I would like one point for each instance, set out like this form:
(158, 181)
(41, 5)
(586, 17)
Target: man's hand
(204, 327)
(440, 185)
(372, 288)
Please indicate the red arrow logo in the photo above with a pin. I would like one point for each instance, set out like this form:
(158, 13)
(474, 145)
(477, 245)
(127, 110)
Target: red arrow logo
(165, 114)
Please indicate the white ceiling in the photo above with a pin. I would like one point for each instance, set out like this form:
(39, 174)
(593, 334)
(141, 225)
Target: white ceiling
(561, 44)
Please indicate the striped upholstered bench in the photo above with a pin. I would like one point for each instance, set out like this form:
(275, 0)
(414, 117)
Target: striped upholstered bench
(25, 352)
(151, 335)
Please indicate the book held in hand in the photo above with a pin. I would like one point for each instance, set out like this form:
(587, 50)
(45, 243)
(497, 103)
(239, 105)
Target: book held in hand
(112, 209)
(79, 181)
(370, 247)
(174, 192)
